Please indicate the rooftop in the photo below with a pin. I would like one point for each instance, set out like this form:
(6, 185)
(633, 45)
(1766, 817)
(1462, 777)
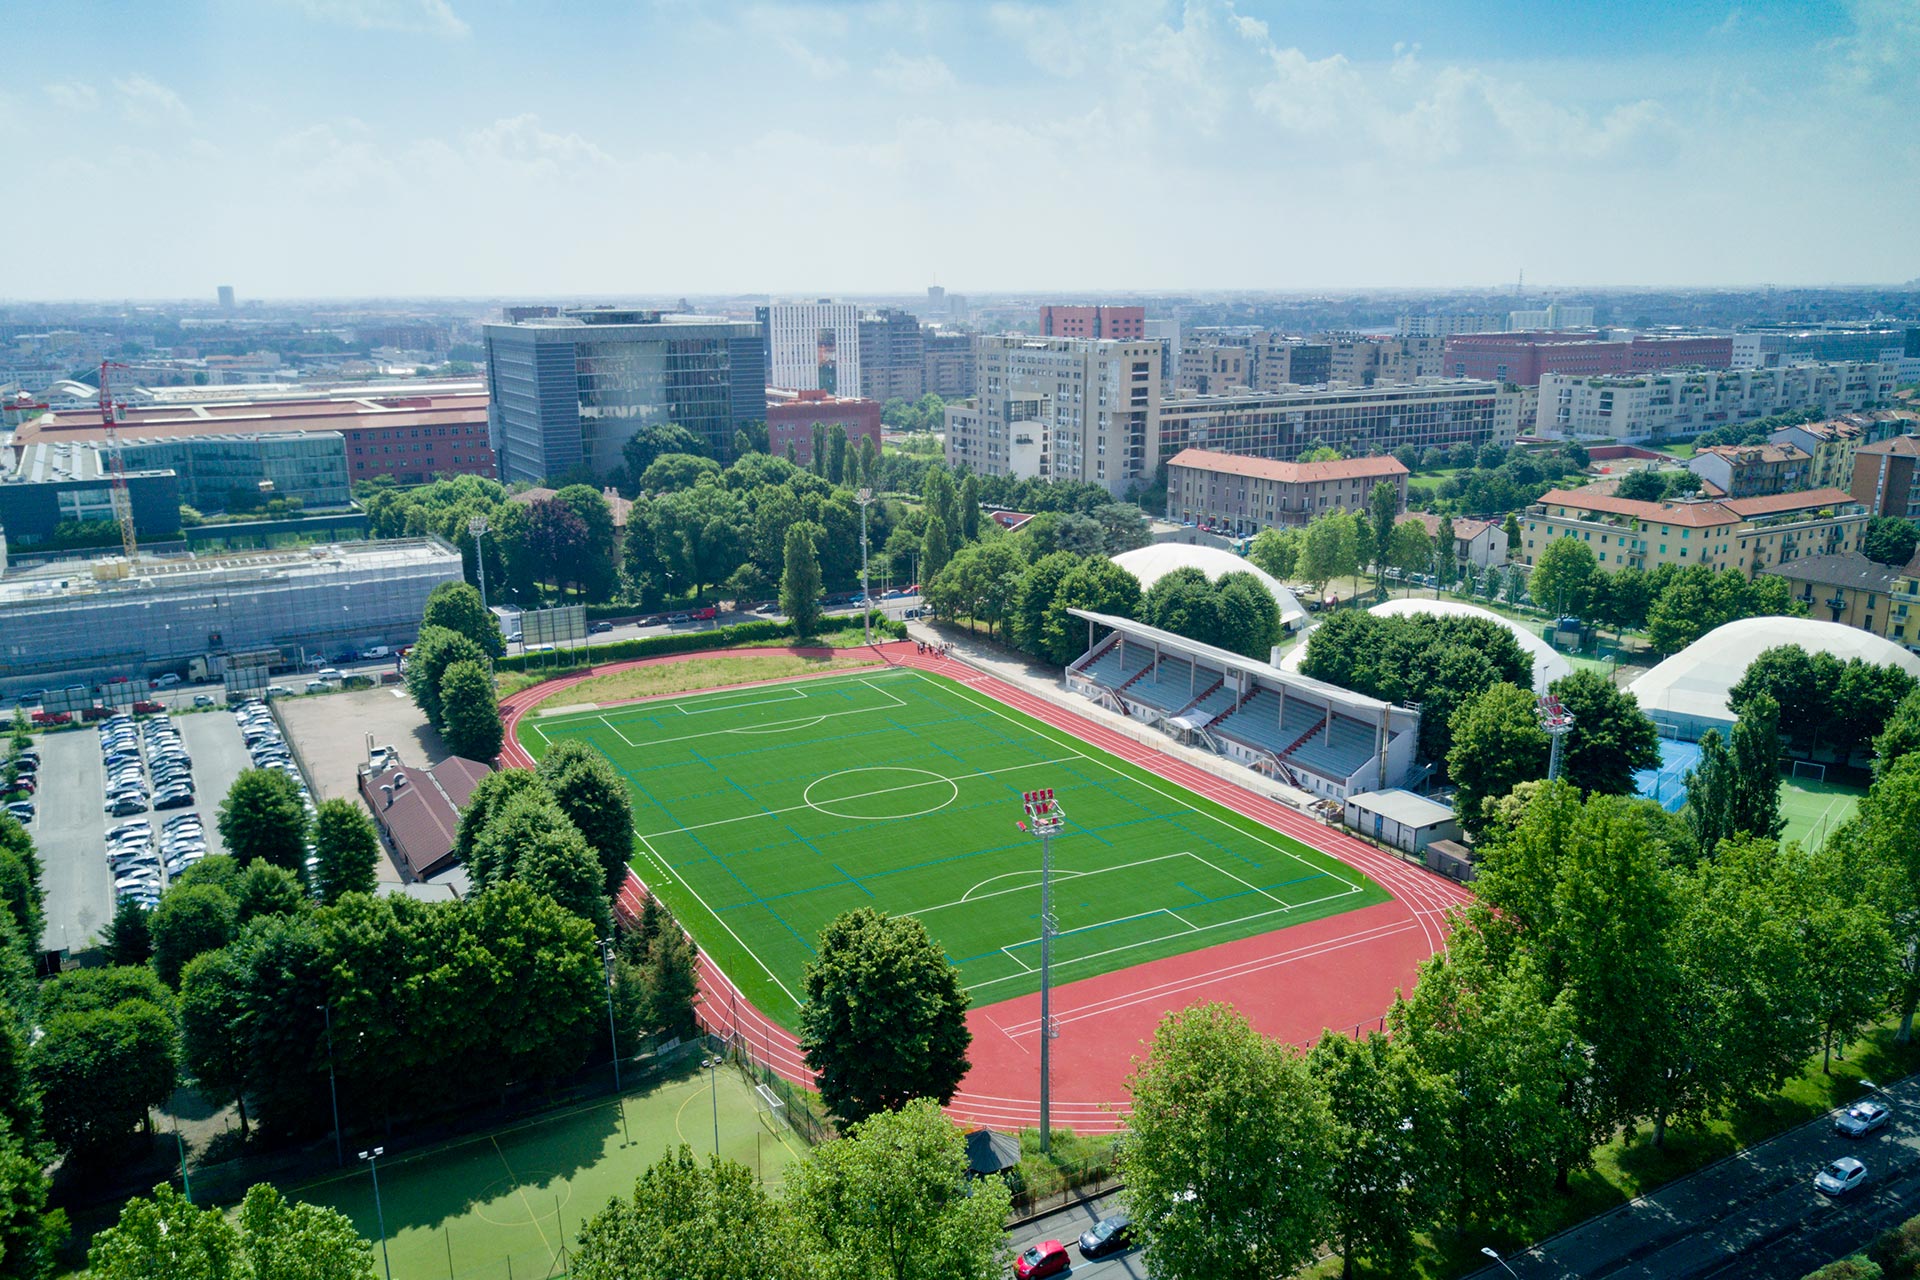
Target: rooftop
(67, 579)
(419, 809)
(1847, 569)
(254, 418)
(1752, 453)
(1287, 472)
(1696, 515)
(1900, 446)
(1404, 807)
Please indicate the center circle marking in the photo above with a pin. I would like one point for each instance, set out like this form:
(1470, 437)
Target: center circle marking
(882, 788)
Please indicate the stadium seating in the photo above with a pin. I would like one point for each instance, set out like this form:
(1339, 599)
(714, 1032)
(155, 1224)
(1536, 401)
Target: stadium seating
(1216, 703)
(1107, 669)
(1170, 686)
(1351, 746)
(1253, 724)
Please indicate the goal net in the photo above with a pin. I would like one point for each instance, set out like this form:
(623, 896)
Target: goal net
(1808, 771)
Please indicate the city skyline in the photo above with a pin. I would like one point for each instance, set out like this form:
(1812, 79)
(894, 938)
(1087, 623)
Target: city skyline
(455, 148)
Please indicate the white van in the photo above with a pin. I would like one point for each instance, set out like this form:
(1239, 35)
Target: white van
(378, 651)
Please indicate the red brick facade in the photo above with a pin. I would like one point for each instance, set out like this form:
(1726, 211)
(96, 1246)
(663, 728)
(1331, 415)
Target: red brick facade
(792, 422)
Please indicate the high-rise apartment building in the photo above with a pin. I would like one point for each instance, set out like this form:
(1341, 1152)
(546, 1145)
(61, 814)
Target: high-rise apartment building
(1554, 315)
(813, 346)
(1521, 358)
(1126, 324)
(1213, 362)
(1681, 403)
(1355, 420)
(1886, 477)
(226, 297)
(568, 391)
(948, 364)
(1062, 409)
(1447, 326)
(893, 354)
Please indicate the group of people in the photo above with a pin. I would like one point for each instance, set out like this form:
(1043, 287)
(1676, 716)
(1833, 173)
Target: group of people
(937, 650)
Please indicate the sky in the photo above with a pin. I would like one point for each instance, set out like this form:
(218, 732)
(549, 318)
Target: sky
(481, 148)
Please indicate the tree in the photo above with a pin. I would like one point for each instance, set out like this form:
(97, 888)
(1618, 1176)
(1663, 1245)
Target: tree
(1512, 529)
(215, 1032)
(1228, 1151)
(346, 850)
(1326, 551)
(490, 796)
(272, 1239)
(29, 1232)
(1753, 791)
(266, 890)
(1446, 553)
(1276, 552)
(650, 442)
(588, 791)
(1247, 615)
(1039, 584)
(1644, 485)
(532, 840)
(1383, 504)
(969, 503)
(1900, 737)
(1561, 575)
(470, 712)
(1097, 585)
(1384, 1114)
(100, 1071)
(1708, 784)
(884, 1017)
(190, 919)
(1890, 540)
(456, 607)
(936, 548)
(892, 1199)
(435, 651)
(1497, 743)
(837, 453)
(697, 535)
(126, 937)
(1123, 527)
(674, 472)
(1611, 740)
(1410, 548)
(688, 1220)
(800, 583)
(262, 818)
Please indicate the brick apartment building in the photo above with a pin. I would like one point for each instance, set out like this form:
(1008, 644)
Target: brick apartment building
(1245, 495)
(791, 417)
(1127, 324)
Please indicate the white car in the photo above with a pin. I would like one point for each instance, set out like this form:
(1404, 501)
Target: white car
(1840, 1177)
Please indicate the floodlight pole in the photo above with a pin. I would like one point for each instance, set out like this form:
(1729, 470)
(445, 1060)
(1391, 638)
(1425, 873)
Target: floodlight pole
(478, 528)
(606, 963)
(1044, 819)
(865, 497)
(380, 1215)
(1557, 722)
(333, 1088)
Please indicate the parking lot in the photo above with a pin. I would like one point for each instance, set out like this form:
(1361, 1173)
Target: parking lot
(70, 827)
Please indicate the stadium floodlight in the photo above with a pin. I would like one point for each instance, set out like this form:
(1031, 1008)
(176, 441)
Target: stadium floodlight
(1045, 818)
(1558, 723)
(865, 498)
(380, 1215)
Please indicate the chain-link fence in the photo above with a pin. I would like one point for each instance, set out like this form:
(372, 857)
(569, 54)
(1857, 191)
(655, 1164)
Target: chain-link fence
(800, 1108)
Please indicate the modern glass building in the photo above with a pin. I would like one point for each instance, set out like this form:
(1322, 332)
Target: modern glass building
(74, 622)
(215, 471)
(567, 391)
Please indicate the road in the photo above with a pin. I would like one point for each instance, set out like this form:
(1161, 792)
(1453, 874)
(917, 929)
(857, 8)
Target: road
(1752, 1216)
(69, 830)
(1066, 1225)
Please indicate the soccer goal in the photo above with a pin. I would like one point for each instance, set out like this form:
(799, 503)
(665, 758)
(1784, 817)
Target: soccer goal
(1808, 771)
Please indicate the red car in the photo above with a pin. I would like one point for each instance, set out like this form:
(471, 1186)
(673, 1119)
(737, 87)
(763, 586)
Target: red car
(1048, 1258)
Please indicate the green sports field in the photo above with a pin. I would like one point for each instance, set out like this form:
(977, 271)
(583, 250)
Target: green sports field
(765, 812)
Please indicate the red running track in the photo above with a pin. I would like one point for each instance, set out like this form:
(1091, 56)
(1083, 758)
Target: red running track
(1340, 972)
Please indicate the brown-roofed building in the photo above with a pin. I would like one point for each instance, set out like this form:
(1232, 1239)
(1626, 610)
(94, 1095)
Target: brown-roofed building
(1481, 543)
(1883, 477)
(1751, 470)
(1846, 588)
(418, 810)
(1243, 495)
(1829, 447)
(1748, 534)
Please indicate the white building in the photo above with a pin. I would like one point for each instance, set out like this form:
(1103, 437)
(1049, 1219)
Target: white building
(814, 346)
(1063, 409)
(1554, 316)
(1680, 403)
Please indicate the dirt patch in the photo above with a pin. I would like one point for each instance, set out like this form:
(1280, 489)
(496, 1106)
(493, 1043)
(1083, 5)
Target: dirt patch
(654, 680)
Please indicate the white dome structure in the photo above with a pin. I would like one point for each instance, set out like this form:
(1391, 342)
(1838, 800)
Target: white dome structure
(1689, 690)
(1549, 664)
(1151, 563)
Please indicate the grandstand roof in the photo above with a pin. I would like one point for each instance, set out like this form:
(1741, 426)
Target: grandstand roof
(1693, 684)
(1149, 564)
(1226, 660)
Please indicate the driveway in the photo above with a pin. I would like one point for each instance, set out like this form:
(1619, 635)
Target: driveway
(1752, 1216)
(69, 830)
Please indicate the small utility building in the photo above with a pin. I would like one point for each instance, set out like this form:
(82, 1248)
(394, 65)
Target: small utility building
(1401, 819)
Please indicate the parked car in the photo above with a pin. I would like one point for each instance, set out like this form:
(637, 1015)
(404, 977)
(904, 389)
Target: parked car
(21, 809)
(1861, 1119)
(127, 804)
(318, 686)
(1109, 1235)
(1048, 1258)
(911, 614)
(1840, 1177)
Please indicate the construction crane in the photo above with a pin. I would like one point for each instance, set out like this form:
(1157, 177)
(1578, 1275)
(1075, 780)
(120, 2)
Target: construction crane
(122, 500)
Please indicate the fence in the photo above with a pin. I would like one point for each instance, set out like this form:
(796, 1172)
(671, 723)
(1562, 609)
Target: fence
(802, 1109)
(723, 637)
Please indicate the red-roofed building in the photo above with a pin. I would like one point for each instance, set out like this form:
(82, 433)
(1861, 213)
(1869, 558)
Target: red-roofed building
(418, 810)
(1748, 534)
(1242, 495)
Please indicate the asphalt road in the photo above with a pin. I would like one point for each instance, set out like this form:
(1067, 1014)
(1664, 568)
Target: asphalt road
(1752, 1216)
(69, 831)
(1066, 1225)
(219, 754)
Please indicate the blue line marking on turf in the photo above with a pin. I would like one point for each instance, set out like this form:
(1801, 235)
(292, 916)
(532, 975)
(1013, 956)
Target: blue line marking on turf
(851, 880)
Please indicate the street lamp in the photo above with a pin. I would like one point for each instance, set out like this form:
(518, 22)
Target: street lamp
(606, 963)
(1044, 819)
(373, 1167)
(333, 1088)
(1492, 1253)
(865, 497)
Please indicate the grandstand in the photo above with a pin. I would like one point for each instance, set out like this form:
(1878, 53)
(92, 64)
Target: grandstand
(1312, 735)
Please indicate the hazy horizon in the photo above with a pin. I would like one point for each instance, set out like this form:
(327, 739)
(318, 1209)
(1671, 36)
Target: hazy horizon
(330, 150)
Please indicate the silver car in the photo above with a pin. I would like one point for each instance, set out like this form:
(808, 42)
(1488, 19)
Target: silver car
(1861, 1119)
(1840, 1177)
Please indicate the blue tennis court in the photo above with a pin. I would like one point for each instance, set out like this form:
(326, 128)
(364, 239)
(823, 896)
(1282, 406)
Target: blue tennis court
(1668, 783)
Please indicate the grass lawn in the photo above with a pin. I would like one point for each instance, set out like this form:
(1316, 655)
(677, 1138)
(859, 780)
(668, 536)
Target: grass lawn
(1813, 809)
(504, 1203)
(693, 673)
(764, 813)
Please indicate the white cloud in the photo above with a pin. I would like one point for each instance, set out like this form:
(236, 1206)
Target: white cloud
(426, 17)
(148, 102)
(73, 95)
(913, 75)
(521, 142)
(798, 30)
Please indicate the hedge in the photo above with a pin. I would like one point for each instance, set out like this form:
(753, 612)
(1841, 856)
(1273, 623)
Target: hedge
(688, 642)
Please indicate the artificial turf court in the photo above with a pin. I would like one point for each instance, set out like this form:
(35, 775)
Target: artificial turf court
(765, 812)
(502, 1205)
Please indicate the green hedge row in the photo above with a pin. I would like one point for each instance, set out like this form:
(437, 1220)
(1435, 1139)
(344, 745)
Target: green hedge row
(689, 642)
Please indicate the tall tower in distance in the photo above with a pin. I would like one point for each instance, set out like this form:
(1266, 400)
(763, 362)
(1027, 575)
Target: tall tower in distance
(226, 297)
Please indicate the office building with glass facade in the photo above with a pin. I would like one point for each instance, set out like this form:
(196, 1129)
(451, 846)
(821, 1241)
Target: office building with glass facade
(568, 391)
